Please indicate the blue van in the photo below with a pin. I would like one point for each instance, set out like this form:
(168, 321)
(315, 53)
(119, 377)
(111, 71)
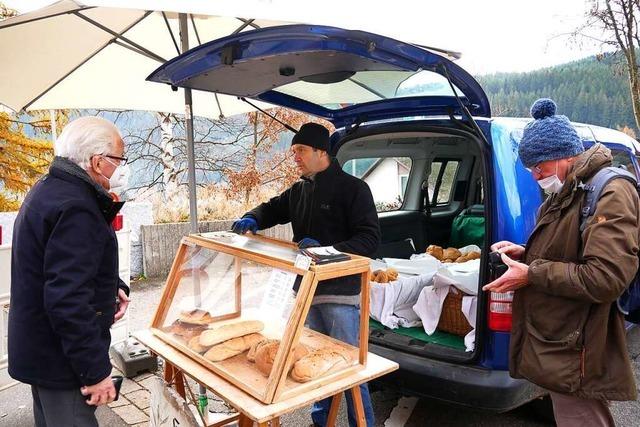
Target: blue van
(419, 129)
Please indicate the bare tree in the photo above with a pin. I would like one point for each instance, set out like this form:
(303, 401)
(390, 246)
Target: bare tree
(157, 147)
(617, 23)
(169, 173)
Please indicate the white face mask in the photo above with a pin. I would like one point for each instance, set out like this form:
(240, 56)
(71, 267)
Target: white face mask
(551, 184)
(119, 178)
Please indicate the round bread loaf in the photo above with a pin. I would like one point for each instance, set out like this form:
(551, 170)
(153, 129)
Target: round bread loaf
(435, 251)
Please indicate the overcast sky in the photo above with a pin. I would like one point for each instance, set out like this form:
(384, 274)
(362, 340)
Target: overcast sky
(492, 35)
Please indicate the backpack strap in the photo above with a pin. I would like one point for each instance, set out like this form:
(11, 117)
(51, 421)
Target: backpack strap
(593, 189)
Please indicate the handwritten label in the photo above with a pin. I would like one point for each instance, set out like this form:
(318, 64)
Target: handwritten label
(303, 262)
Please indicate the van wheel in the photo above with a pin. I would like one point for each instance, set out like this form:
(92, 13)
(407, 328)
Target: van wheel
(542, 409)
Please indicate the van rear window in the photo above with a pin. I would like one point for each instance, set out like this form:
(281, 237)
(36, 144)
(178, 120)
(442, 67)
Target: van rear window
(387, 178)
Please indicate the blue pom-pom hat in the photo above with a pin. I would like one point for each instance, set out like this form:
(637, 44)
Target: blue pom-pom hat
(549, 136)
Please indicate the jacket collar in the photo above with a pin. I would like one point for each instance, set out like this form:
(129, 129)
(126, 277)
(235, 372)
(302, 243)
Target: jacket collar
(328, 173)
(585, 166)
(65, 169)
(325, 175)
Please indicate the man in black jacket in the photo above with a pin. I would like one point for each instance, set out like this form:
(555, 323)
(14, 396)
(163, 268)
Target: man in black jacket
(327, 207)
(64, 277)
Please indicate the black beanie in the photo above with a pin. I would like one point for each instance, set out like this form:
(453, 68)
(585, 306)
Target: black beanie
(313, 135)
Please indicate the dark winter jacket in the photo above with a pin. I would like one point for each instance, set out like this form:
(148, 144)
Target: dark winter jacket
(64, 281)
(567, 334)
(334, 208)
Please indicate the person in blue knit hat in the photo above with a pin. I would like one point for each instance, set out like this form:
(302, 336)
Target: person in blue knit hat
(567, 335)
(549, 143)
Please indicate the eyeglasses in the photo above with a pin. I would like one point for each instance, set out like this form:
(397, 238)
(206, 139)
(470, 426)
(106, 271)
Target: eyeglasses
(535, 169)
(123, 160)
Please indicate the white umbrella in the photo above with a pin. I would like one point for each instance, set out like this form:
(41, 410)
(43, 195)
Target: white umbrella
(70, 55)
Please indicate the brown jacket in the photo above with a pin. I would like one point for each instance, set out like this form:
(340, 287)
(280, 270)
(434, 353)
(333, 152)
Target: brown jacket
(567, 334)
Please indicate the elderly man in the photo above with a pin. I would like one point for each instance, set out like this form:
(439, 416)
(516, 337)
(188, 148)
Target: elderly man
(65, 288)
(326, 207)
(568, 335)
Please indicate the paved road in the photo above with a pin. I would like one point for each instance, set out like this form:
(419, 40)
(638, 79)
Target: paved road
(15, 403)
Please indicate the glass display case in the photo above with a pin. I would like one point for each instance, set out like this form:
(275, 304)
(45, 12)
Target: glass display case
(237, 305)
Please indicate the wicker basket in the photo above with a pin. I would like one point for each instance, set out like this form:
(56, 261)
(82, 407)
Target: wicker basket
(452, 319)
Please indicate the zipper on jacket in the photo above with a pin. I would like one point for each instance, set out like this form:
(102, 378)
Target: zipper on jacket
(313, 196)
(582, 355)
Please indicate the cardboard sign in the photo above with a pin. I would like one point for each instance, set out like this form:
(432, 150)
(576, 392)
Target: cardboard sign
(168, 409)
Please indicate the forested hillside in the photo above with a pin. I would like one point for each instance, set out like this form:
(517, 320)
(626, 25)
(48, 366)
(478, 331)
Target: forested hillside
(590, 90)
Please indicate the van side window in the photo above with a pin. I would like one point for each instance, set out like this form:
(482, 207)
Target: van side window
(441, 181)
(387, 178)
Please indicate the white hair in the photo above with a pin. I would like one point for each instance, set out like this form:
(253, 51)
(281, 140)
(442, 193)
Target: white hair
(85, 137)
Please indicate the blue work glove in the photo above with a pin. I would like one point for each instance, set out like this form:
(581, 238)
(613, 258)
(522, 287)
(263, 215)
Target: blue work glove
(243, 225)
(308, 242)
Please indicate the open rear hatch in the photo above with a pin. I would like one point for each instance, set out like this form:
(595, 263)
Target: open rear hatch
(340, 75)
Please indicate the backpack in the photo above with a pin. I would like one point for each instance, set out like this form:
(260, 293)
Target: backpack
(629, 302)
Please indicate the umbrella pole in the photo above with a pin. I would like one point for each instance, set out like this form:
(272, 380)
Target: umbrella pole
(54, 131)
(191, 174)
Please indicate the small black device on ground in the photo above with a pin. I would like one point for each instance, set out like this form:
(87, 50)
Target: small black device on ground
(132, 358)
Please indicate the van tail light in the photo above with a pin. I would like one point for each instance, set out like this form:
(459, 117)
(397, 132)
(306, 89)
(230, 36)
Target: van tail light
(500, 311)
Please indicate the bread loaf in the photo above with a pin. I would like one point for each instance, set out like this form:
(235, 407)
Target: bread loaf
(185, 331)
(232, 347)
(318, 363)
(194, 344)
(451, 254)
(251, 354)
(196, 317)
(435, 251)
(380, 276)
(231, 330)
(468, 257)
(384, 276)
(266, 355)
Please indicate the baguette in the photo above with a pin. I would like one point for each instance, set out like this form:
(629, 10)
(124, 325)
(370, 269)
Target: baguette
(317, 364)
(266, 354)
(232, 347)
(232, 330)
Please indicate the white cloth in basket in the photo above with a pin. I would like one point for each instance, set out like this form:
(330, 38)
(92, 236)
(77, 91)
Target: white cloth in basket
(392, 303)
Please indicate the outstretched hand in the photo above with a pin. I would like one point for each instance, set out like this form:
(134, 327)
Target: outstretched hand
(514, 278)
(243, 225)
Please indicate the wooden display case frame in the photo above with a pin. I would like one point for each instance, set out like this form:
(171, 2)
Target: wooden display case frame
(277, 386)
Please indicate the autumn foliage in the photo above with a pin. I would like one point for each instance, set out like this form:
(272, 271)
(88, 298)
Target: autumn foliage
(23, 159)
(263, 165)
